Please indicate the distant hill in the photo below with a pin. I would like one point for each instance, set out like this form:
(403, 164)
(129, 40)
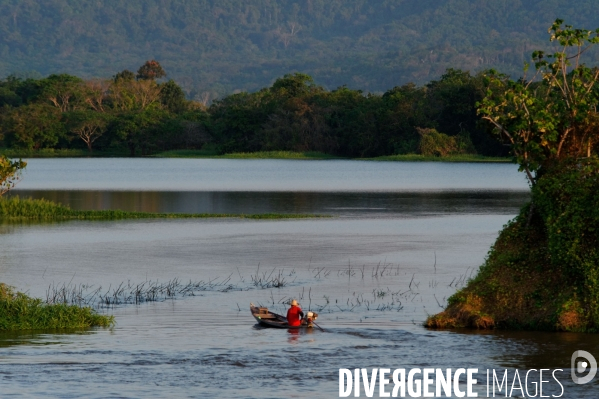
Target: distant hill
(212, 48)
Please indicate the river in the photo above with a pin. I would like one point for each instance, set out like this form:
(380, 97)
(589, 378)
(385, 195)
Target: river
(403, 238)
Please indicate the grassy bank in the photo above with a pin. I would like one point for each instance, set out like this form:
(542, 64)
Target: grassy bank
(212, 153)
(320, 155)
(59, 153)
(21, 312)
(17, 209)
(450, 158)
(245, 155)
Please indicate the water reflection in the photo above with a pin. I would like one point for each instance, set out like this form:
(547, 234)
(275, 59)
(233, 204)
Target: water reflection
(527, 350)
(41, 337)
(336, 203)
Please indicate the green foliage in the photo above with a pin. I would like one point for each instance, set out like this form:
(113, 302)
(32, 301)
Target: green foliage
(151, 70)
(543, 271)
(293, 85)
(57, 153)
(278, 155)
(87, 125)
(21, 312)
(143, 117)
(435, 144)
(33, 126)
(172, 97)
(10, 173)
(552, 119)
(566, 197)
(124, 76)
(296, 115)
(450, 158)
(9, 98)
(140, 129)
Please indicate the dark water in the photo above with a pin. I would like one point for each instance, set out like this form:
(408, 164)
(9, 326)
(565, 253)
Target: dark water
(373, 273)
(350, 204)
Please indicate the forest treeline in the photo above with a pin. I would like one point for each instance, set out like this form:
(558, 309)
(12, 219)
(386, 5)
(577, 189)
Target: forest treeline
(143, 113)
(214, 47)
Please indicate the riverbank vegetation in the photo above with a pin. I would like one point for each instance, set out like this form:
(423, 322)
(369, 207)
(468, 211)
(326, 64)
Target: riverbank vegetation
(18, 311)
(543, 271)
(449, 158)
(17, 209)
(143, 114)
(245, 155)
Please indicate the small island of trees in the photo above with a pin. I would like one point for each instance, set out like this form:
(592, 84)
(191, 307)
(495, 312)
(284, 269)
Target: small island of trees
(543, 271)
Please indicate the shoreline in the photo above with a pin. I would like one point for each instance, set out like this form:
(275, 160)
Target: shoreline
(289, 155)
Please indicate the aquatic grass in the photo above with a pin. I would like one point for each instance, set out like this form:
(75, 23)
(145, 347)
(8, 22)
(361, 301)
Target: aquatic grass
(128, 293)
(213, 153)
(279, 155)
(19, 311)
(269, 280)
(203, 153)
(210, 153)
(17, 209)
(58, 153)
(450, 158)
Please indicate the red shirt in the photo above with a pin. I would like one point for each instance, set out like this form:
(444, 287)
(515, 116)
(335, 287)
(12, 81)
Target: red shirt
(294, 316)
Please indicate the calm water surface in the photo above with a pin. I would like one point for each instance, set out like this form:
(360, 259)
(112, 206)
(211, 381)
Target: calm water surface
(266, 175)
(406, 236)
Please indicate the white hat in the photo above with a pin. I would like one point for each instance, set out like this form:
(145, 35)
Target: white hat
(293, 302)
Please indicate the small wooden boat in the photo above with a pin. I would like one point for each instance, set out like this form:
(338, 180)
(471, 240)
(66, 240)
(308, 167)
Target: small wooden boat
(267, 318)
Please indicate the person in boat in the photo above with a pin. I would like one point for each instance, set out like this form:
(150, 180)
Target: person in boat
(294, 314)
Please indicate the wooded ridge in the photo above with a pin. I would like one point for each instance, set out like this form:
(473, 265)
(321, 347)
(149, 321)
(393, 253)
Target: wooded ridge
(213, 48)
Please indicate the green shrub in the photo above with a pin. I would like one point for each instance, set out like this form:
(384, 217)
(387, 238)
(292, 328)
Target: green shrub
(433, 143)
(21, 312)
(567, 199)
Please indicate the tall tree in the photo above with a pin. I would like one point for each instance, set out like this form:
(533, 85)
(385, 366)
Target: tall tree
(151, 70)
(33, 126)
(61, 91)
(553, 119)
(87, 125)
(172, 97)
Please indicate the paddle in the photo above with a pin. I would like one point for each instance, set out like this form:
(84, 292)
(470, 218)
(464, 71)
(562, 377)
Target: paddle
(321, 329)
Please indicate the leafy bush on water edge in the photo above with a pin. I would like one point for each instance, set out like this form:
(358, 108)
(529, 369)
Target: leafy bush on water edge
(21, 312)
(542, 273)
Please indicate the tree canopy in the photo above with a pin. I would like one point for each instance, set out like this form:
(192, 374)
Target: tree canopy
(142, 115)
(552, 116)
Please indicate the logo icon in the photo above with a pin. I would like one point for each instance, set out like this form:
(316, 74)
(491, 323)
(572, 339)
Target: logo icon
(580, 366)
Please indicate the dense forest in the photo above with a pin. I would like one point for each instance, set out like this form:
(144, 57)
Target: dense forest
(214, 48)
(142, 113)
